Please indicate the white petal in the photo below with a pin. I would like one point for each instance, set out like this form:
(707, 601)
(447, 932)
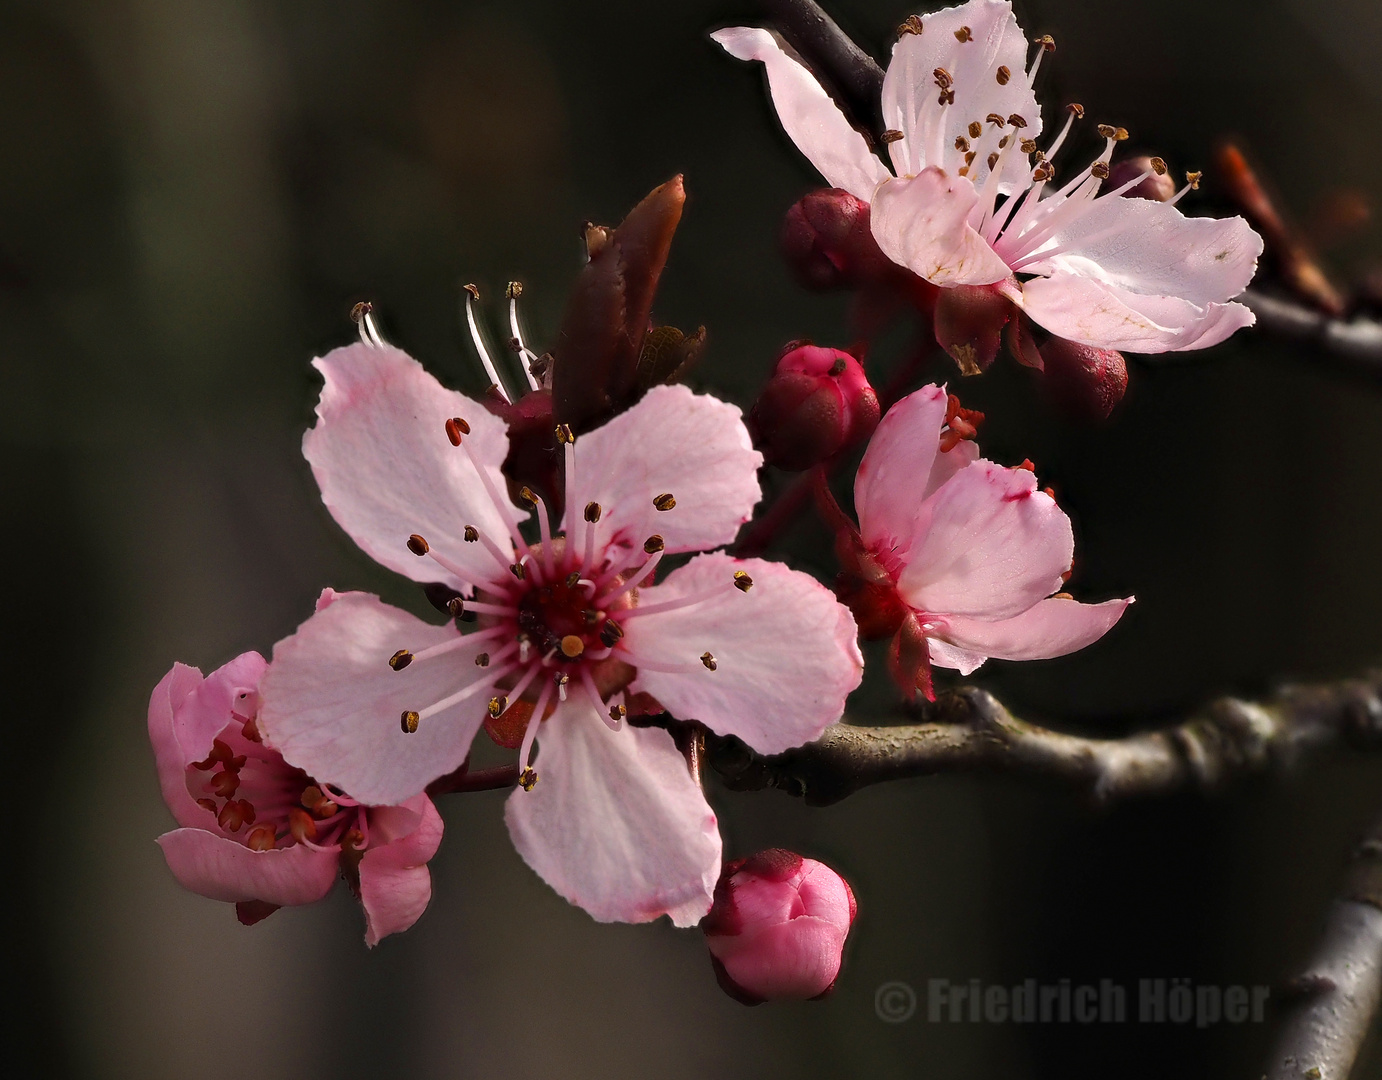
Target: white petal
(923, 224)
(1053, 627)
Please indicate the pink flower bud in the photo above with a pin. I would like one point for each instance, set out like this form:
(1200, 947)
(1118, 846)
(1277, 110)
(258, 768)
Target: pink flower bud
(1158, 186)
(817, 402)
(1085, 381)
(777, 927)
(828, 243)
(969, 323)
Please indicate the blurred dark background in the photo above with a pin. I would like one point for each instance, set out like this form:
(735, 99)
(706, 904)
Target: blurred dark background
(192, 195)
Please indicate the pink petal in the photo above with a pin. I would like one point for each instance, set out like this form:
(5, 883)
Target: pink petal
(922, 223)
(205, 712)
(825, 895)
(386, 468)
(331, 703)
(794, 961)
(169, 758)
(809, 117)
(909, 88)
(1053, 627)
(395, 884)
(1093, 313)
(786, 653)
(221, 869)
(995, 546)
(1152, 248)
(944, 654)
(615, 824)
(693, 446)
(888, 491)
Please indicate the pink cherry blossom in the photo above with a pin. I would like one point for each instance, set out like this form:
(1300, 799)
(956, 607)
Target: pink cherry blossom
(259, 833)
(778, 927)
(974, 201)
(569, 627)
(968, 552)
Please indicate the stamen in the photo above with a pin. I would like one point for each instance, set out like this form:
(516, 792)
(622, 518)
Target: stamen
(472, 294)
(401, 659)
(641, 575)
(526, 748)
(408, 721)
(479, 686)
(513, 292)
(1047, 44)
(709, 661)
(742, 581)
(572, 646)
(501, 558)
(1003, 75)
(610, 633)
(544, 524)
(665, 501)
(501, 503)
(561, 682)
(362, 316)
(616, 716)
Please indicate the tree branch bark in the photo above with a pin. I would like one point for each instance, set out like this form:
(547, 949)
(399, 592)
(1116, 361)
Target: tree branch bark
(1338, 995)
(1355, 343)
(969, 730)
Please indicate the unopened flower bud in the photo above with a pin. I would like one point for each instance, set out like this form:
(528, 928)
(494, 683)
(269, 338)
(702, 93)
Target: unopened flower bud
(817, 402)
(969, 322)
(827, 241)
(1085, 381)
(777, 927)
(1158, 187)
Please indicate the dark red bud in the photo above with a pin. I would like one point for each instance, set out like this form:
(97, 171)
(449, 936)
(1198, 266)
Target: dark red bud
(817, 403)
(969, 322)
(827, 241)
(1085, 381)
(1158, 187)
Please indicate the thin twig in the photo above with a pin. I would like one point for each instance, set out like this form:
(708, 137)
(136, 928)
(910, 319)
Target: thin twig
(969, 730)
(1356, 343)
(1339, 992)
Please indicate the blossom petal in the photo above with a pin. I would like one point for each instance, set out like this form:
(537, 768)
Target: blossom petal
(1094, 313)
(221, 869)
(169, 758)
(692, 446)
(922, 223)
(791, 961)
(994, 547)
(811, 119)
(331, 703)
(1152, 248)
(204, 713)
(944, 654)
(910, 105)
(1053, 627)
(615, 823)
(395, 884)
(386, 469)
(786, 655)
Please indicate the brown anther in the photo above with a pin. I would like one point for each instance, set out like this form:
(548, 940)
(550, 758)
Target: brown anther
(666, 501)
(1193, 179)
(417, 545)
(591, 616)
(709, 661)
(969, 157)
(573, 579)
(1028, 146)
(1002, 142)
(943, 79)
(892, 135)
(235, 814)
(593, 512)
(471, 534)
(1003, 75)
(1049, 492)
(964, 34)
(1017, 121)
(946, 97)
(610, 633)
(527, 780)
(961, 143)
(1062, 596)
(1076, 108)
(518, 571)
(474, 291)
(401, 659)
(526, 494)
(1042, 172)
(618, 712)
(996, 120)
(224, 783)
(1099, 170)
(1158, 166)
(564, 434)
(220, 752)
(301, 825)
(975, 129)
(513, 290)
(572, 646)
(1106, 130)
(260, 838)
(1047, 42)
(352, 839)
(911, 25)
(497, 705)
(993, 159)
(963, 170)
(409, 721)
(515, 346)
(1120, 134)
(359, 311)
(207, 804)
(482, 660)
(653, 544)
(742, 581)
(250, 730)
(1027, 465)
(455, 607)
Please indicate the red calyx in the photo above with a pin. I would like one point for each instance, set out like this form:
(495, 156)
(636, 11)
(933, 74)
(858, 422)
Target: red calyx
(969, 321)
(817, 403)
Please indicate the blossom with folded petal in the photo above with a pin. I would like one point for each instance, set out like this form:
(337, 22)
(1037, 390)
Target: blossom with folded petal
(259, 833)
(568, 625)
(958, 558)
(975, 202)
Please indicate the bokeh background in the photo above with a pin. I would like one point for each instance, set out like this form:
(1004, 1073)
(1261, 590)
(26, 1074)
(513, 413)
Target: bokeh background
(192, 195)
